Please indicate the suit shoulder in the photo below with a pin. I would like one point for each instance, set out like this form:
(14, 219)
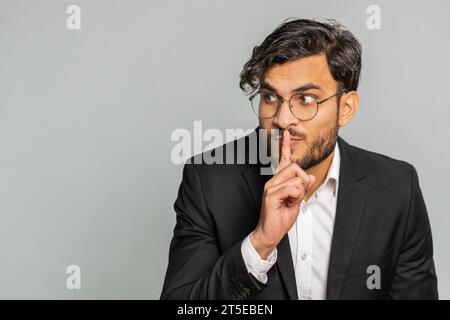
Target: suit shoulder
(384, 166)
(226, 158)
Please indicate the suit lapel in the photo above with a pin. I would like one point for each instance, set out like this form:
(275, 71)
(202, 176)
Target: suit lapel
(255, 182)
(286, 267)
(351, 201)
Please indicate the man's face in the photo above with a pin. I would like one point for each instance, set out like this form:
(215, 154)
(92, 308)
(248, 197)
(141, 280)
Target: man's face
(311, 141)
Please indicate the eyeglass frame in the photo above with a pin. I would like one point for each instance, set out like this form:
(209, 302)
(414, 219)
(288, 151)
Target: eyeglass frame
(281, 101)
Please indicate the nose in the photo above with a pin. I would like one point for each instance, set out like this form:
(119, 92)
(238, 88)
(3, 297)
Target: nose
(284, 117)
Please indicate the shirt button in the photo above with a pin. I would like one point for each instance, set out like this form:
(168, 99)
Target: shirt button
(304, 256)
(262, 277)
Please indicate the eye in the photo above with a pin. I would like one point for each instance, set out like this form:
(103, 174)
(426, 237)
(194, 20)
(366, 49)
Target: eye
(307, 99)
(268, 98)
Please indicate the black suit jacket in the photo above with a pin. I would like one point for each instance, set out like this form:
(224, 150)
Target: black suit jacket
(381, 219)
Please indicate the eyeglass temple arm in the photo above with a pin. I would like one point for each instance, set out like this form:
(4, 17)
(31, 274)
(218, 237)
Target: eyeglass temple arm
(337, 93)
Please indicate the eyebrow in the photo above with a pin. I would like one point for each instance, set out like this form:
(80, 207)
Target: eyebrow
(305, 87)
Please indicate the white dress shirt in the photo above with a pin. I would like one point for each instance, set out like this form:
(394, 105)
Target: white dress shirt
(310, 239)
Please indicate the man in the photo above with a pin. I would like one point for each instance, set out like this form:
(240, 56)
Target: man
(333, 222)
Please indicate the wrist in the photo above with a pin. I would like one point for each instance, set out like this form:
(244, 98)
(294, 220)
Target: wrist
(262, 247)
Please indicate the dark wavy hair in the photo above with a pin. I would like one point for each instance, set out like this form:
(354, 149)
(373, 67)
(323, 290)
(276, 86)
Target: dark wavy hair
(301, 38)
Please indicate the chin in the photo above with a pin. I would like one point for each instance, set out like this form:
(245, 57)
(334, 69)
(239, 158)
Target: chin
(297, 153)
(296, 159)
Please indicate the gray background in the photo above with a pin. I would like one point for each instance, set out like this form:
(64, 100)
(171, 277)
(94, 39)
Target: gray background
(86, 117)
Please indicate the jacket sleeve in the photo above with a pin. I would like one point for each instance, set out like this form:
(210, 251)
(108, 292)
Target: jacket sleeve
(415, 276)
(197, 268)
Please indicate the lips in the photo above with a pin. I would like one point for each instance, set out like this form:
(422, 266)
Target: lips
(280, 138)
(295, 141)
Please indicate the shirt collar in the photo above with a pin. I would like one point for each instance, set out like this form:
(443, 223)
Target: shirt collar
(333, 172)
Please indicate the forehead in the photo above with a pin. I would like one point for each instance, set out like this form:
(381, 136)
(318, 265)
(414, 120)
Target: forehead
(292, 74)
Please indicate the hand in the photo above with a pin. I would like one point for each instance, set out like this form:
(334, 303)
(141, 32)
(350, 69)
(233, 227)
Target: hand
(281, 201)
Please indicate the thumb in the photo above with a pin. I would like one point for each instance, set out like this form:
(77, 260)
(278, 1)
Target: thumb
(312, 179)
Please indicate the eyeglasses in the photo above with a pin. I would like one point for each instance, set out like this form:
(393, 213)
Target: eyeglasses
(304, 106)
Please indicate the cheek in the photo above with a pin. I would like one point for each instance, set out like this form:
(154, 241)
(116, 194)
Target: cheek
(322, 123)
(266, 123)
(327, 116)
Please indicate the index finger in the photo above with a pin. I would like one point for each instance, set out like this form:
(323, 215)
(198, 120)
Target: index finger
(285, 157)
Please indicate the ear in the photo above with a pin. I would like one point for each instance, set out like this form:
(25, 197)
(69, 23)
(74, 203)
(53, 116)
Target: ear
(348, 106)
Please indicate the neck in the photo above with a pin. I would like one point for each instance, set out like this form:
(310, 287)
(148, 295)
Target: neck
(320, 172)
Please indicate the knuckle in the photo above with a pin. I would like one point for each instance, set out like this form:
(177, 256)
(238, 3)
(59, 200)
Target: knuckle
(293, 189)
(299, 180)
(269, 191)
(297, 167)
(302, 192)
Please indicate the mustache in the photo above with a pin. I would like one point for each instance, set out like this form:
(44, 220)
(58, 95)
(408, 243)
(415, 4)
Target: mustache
(293, 132)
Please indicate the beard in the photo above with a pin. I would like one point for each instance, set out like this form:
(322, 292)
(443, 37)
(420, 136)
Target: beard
(318, 149)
